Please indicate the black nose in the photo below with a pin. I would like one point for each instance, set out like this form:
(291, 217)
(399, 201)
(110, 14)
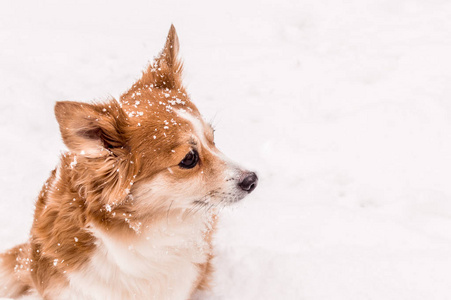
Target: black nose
(248, 182)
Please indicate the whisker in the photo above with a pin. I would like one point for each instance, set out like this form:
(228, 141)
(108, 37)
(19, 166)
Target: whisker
(204, 203)
(167, 215)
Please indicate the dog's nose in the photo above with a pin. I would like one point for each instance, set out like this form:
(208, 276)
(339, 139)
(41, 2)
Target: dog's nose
(248, 182)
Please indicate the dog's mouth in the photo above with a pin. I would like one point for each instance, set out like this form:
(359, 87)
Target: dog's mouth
(221, 198)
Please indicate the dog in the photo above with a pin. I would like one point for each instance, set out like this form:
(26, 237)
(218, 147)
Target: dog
(130, 211)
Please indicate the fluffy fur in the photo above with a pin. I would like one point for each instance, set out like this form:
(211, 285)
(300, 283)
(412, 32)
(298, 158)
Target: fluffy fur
(120, 218)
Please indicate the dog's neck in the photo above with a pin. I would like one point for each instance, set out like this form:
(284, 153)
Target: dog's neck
(168, 250)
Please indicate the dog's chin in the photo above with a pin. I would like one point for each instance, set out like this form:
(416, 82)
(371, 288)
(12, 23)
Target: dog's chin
(238, 197)
(233, 198)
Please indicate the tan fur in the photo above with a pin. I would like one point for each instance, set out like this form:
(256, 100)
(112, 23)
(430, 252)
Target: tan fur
(121, 182)
(14, 264)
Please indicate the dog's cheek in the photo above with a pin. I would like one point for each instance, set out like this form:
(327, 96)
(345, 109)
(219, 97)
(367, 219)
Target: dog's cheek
(170, 189)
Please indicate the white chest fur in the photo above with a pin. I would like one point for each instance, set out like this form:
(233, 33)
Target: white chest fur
(162, 263)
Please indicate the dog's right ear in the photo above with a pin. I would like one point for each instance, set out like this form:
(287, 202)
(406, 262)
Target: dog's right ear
(166, 70)
(91, 130)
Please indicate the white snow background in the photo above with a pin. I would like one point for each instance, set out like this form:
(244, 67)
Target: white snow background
(342, 107)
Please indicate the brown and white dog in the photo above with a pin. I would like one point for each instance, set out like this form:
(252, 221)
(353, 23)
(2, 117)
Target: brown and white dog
(130, 211)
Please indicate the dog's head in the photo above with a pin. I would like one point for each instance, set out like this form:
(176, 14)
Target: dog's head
(152, 146)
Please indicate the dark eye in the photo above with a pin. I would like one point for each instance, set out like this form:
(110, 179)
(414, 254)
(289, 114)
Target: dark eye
(190, 160)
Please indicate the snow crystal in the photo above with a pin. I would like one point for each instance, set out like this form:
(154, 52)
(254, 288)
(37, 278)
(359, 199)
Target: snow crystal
(74, 162)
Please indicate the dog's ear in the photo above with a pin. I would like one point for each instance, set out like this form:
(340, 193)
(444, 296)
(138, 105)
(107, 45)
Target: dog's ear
(91, 130)
(166, 70)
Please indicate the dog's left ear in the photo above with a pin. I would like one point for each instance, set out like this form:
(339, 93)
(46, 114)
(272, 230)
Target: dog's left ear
(166, 70)
(91, 130)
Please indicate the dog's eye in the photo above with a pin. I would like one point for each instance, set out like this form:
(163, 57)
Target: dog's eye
(190, 160)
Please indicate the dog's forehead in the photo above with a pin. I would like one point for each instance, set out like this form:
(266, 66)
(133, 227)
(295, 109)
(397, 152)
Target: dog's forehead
(166, 116)
(195, 122)
(157, 105)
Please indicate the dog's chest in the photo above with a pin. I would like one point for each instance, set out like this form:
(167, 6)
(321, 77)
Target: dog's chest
(161, 264)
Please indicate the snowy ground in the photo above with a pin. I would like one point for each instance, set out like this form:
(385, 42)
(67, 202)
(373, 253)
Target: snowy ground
(343, 108)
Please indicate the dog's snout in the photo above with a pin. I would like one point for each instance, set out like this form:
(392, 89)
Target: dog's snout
(248, 182)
